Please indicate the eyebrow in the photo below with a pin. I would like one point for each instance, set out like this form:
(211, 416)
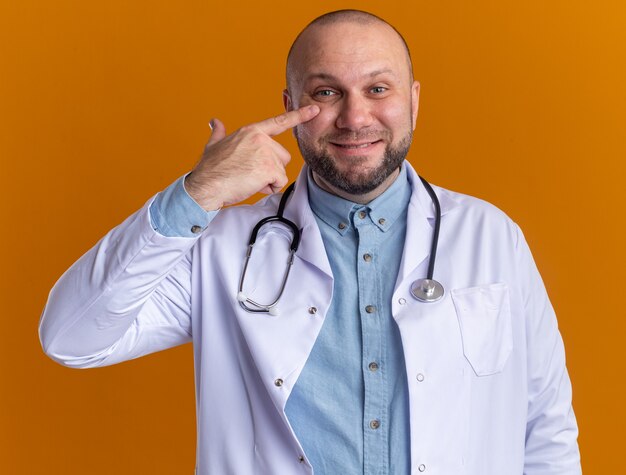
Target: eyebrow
(330, 77)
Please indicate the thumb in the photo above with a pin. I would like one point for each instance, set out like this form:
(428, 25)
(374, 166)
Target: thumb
(218, 131)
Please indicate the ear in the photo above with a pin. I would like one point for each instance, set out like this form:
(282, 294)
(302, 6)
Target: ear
(287, 102)
(289, 106)
(415, 100)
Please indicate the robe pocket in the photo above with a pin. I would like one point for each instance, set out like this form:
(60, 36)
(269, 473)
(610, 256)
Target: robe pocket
(484, 315)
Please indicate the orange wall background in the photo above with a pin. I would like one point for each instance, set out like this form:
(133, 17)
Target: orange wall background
(102, 104)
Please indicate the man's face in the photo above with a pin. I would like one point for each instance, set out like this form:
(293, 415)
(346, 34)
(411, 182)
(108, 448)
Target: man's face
(358, 74)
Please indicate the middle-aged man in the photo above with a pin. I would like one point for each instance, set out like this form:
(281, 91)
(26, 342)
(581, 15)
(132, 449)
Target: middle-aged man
(349, 373)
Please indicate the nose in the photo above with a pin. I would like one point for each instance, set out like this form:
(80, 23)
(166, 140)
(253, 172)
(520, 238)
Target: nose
(354, 113)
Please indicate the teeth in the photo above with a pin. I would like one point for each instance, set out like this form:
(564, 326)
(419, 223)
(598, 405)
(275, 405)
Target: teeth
(356, 146)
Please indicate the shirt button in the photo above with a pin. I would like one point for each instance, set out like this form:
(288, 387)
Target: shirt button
(341, 225)
(402, 301)
(373, 366)
(312, 310)
(382, 221)
(301, 459)
(367, 257)
(196, 229)
(370, 309)
(374, 424)
(278, 383)
(422, 468)
(420, 377)
(362, 214)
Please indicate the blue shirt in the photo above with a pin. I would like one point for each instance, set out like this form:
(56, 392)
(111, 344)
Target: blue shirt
(349, 407)
(175, 214)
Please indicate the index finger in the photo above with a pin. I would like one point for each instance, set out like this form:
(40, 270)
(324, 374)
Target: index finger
(281, 123)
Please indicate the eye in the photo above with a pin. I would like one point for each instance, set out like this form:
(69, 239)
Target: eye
(378, 89)
(325, 93)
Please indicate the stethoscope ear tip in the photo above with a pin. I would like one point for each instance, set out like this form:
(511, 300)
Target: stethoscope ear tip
(273, 311)
(241, 297)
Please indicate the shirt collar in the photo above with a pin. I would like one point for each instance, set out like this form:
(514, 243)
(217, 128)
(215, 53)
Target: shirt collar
(383, 211)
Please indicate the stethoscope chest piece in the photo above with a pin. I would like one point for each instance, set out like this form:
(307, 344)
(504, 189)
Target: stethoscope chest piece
(427, 290)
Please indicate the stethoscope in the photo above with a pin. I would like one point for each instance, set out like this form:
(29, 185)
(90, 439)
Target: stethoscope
(426, 290)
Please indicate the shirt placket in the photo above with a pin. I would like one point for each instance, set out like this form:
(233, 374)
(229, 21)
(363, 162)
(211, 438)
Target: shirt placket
(375, 422)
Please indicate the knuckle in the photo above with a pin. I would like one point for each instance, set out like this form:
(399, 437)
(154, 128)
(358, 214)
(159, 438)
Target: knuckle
(285, 156)
(280, 120)
(257, 138)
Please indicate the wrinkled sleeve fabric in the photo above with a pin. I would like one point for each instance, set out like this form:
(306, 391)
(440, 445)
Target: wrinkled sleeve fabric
(176, 214)
(129, 295)
(551, 430)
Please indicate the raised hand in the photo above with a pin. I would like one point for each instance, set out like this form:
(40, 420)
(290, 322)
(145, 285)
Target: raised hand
(236, 166)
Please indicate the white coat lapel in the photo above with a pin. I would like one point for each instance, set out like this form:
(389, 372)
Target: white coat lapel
(299, 211)
(281, 344)
(420, 225)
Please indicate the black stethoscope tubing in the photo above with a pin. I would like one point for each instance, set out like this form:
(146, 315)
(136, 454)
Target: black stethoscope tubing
(244, 301)
(435, 240)
(425, 290)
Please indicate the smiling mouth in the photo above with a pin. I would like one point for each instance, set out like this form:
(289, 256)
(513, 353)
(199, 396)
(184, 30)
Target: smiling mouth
(354, 146)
